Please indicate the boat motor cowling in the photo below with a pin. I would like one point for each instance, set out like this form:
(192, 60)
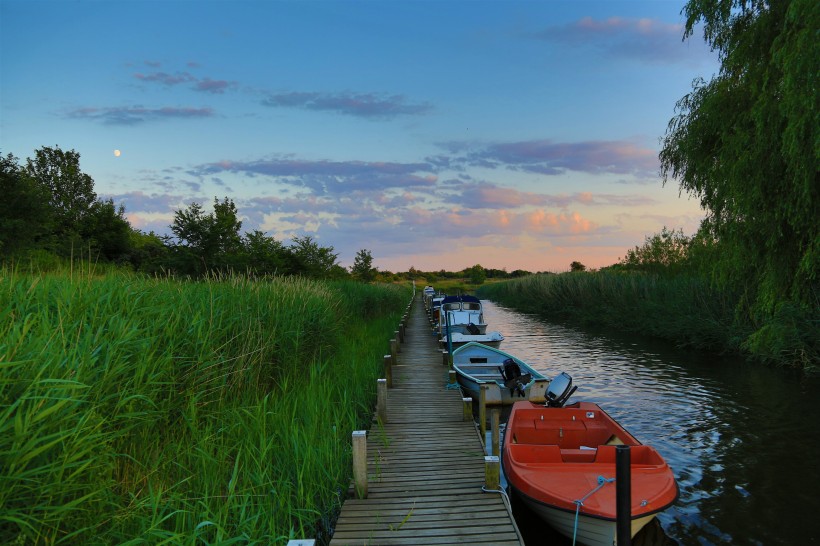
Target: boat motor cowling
(560, 390)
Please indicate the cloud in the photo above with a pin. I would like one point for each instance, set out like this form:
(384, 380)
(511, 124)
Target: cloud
(331, 177)
(213, 86)
(485, 195)
(364, 105)
(165, 78)
(648, 40)
(132, 115)
(205, 84)
(555, 158)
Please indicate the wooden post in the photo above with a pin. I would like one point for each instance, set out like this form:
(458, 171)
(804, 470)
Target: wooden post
(492, 473)
(445, 358)
(451, 374)
(388, 370)
(381, 400)
(394, 348)
(397, 337)
(401, 331)
(360, 463)
(495, 434)
(482, 410)
(467, 409)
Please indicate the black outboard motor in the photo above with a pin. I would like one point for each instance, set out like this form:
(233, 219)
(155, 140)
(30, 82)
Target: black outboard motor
(473, 330)
(560, 390)
(513, 378)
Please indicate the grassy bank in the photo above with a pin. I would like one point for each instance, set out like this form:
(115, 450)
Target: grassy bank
(683, 309)
(139, 411)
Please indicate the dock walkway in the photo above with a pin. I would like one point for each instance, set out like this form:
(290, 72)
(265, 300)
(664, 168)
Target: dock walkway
(425, 466)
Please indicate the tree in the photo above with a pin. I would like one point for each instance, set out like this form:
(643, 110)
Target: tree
(265, 255)
(664, 251)
(70, 191)
(363, 269)
(747, 144)
(24, 213)
(477, 274)
(207, 241)
(577, 266)
(313, 260)
(106, 230)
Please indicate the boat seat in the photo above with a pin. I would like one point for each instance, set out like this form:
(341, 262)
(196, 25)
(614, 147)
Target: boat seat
(578, 455)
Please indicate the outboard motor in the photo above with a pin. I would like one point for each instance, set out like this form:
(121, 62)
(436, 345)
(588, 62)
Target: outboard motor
(473, 329)
(560, 390)
(513, 378)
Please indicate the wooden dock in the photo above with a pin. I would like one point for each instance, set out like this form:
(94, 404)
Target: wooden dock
(425, 466)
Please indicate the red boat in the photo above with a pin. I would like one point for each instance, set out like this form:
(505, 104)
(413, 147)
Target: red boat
(561, 461)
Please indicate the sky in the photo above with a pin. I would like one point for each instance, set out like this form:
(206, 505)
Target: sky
(434, 134)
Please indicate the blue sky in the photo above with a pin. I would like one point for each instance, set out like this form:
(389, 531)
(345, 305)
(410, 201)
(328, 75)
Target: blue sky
(438, 135)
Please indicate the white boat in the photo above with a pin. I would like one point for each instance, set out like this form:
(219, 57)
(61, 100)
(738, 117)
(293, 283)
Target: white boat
(462, 314)
(508, 378)
(457, 339)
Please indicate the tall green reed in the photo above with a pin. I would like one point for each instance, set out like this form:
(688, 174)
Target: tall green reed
(684, 309)
(140, 410)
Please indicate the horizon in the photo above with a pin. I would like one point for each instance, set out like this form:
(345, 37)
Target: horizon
(513, 135)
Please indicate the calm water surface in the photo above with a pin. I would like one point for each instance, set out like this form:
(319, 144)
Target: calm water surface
(743, 440)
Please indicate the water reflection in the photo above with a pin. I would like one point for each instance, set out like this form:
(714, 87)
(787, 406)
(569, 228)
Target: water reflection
(742, 439)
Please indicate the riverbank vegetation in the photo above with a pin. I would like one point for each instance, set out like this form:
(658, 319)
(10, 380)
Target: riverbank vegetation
(746, 144)
(150, 411)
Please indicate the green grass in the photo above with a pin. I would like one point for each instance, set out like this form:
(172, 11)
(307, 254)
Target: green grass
(682, 309)
(150, 411)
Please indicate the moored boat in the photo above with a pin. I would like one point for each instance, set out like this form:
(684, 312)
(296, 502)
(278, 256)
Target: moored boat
(507, 377)
(462, 314)
(560, 460)
(457, 339)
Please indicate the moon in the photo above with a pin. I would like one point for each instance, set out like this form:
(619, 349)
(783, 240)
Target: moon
(117, 153)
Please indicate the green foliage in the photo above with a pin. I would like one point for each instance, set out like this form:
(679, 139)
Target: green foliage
(577, 266)
(746, 144)
(207, 241)
(313, 260)
(476, 274)
(686, 310)
(70, 191)
(138, 411)
(363, 269)
(24, 214)
(662, 252)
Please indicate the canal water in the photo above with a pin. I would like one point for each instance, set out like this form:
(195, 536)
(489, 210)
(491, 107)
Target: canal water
(742, 439)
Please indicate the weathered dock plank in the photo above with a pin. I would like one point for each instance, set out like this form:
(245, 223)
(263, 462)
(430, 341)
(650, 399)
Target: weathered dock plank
(425, 465)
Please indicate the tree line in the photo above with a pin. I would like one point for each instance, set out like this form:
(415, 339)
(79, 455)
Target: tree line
(50, 209)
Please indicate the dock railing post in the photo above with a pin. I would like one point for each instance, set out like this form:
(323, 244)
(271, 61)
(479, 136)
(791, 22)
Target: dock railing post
(495, 433)
(360, 463)
(394, 348)
(445, 358)
(397, 337)
(492, 473)
(467, 408)
(388, 370)
(482, 411)
(451, 377)
(381, 400)
(623, 496)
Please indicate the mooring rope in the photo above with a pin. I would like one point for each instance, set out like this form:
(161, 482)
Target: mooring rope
(508, 505)
(580, 502)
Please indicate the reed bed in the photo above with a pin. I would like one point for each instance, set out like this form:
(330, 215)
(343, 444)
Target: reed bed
(681, 308)
(157, 411)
